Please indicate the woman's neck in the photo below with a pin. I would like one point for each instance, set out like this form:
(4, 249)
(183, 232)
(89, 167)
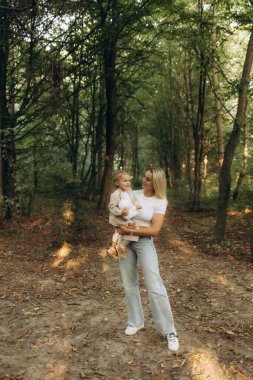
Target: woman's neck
(148, 193)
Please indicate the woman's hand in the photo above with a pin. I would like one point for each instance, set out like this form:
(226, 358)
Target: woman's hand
(123, 230)
(157, 223)
(132, 225)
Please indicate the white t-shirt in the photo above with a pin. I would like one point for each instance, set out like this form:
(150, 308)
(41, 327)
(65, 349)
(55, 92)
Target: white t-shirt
(150, 206)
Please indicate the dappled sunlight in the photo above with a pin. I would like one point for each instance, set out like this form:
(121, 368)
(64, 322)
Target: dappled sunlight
(74, 263)
(183, 247)
(105, 267)
(219, 279)
(103, 254)
(205, 365)
(68, 214)
(240, 213)
(69, 257)
(61, 254)
(56, 373)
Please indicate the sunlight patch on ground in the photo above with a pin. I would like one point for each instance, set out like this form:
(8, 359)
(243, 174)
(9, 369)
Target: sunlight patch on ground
(179, 245)
(56, 373)
(106, 260)
(61, 254)
(219, 279)
(103, 252)
(205, 365)
(239, 213)
(105, 267)
(73, 263)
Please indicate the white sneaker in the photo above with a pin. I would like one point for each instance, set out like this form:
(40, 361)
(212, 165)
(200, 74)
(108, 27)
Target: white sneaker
(131, 330)
(173, 343)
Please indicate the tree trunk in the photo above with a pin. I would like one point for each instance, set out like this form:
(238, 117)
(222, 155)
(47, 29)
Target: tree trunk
(91, 185)
(198, 134)
(100, 123)
(218, 119)
(242, 172)
(135, 153)
(123, 142)
(109, 57)
(238, 185)
(217, 103)
(74, 123)
(239, 122)
(198, 126)
(110, 80)
(99, 135)
(7, 120)
(188, 143)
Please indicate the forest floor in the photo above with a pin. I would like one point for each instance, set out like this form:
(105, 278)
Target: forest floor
(62, 314)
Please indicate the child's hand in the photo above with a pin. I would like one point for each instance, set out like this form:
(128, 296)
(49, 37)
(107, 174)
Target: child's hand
(132, 225)
(125, 211)
(138, 206)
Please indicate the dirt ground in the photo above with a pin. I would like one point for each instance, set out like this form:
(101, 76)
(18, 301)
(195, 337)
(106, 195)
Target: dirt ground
(63, 317)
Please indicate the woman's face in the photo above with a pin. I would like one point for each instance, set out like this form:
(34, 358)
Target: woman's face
(147, 182)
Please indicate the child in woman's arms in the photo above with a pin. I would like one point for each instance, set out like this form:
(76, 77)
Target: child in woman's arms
(123, 208)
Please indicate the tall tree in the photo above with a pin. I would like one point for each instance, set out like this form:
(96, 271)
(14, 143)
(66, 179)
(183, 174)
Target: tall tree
(7, 118)
(120, 22)
(110, 38)
(215, 79)
(239, 123)
(198, 126)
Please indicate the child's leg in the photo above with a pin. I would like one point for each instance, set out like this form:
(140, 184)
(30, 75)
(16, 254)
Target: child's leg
(112, 251)
(124, 242)
(121, 248)
(115, 238)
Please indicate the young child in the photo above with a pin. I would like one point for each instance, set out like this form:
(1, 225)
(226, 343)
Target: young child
(123, 208)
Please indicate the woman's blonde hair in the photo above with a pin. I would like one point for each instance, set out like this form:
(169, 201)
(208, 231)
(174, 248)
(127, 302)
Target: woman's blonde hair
(116, 177)
(159, 182)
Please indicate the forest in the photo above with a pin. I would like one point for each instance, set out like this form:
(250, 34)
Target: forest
(90, 87)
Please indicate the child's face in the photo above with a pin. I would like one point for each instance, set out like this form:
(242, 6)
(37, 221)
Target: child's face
(124, 182)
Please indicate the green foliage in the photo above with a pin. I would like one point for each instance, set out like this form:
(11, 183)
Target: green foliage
(55, 78)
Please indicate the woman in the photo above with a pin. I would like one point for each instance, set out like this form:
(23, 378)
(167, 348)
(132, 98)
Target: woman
(153, 200)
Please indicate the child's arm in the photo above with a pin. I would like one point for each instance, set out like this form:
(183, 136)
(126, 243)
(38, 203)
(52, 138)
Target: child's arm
(114, 201)
(113, 205)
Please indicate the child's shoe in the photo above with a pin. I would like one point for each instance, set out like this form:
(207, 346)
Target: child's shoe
(121, 250)
(112, 251)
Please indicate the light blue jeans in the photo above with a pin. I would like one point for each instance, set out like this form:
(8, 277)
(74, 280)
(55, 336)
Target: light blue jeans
(144, 252)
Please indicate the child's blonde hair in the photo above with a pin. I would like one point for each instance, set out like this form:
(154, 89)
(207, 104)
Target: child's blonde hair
(159, 182)
(116, 177)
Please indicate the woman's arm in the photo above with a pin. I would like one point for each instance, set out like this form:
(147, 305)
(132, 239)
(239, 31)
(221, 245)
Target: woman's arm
(157, 223)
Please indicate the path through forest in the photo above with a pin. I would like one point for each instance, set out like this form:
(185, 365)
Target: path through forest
(63, 317)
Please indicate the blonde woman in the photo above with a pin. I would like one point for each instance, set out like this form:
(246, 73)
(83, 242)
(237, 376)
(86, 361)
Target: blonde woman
(153, 200)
